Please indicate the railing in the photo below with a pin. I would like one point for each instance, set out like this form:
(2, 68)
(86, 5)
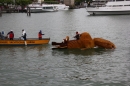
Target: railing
(97, 4)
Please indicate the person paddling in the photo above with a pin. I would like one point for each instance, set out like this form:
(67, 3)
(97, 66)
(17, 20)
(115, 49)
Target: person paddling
(40, 35)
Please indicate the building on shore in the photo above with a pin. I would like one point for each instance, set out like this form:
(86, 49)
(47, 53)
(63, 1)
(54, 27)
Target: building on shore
(69, 3)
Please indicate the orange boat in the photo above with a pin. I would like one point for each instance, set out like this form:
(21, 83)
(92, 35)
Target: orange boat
(29, 41)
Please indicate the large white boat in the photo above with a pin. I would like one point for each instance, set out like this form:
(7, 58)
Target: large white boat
(37, 8)
(99, 7)
(59, 6)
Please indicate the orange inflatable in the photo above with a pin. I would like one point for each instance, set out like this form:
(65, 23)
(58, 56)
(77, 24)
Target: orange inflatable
(104, 43)
(85, 41)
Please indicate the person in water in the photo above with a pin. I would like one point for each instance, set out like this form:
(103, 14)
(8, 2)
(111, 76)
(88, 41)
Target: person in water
(11, 35)
(40, 35)
(77, 36)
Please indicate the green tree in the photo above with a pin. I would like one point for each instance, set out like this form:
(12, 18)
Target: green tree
(1, 1)
(77, 2)
(51, 1)
(23, 2)
(9, 1)
(6, 1)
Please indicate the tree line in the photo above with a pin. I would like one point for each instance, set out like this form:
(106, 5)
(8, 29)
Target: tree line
(15, 2)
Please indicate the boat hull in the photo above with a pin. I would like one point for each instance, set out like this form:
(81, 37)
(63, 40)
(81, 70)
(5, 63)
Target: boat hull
(59, 45)
(108, 12)
(59, 6)
(23, 42)
(41, 10)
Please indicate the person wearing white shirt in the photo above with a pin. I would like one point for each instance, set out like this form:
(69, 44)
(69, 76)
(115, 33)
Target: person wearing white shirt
(24, 34)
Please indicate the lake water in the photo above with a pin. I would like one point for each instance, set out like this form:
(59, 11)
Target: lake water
(42, 66)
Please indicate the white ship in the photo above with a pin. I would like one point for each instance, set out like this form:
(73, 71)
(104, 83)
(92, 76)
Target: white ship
(37, 8)
(59, 6)
(99, 7)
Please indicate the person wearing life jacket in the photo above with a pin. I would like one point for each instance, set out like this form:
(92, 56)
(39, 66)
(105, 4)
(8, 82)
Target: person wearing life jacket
(11, 35)
(40, 35)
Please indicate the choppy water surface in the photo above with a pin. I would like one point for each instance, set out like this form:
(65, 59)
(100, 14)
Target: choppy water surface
(42, 66)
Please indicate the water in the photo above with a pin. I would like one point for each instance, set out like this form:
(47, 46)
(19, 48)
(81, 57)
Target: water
(42, 66)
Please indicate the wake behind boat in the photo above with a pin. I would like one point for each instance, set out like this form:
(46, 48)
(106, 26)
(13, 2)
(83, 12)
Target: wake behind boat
(29, 41)
(98, 7)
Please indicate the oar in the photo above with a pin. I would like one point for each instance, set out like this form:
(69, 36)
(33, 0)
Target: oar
(25, 43)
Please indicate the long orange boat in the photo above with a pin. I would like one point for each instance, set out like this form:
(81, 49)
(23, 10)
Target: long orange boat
(29, 41)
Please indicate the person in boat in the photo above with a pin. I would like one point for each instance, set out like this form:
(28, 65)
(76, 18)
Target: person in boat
(64, 43)
(11, 35)
(77, 36)
(24, 34)
(40, 35)
(2, 35)
(66, 40)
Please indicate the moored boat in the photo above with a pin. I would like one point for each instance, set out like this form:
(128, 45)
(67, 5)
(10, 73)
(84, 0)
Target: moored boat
(38, 8)
(29, 41)
(59, 6)
(106, 7)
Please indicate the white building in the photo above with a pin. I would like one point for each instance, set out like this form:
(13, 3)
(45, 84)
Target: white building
(39, 1)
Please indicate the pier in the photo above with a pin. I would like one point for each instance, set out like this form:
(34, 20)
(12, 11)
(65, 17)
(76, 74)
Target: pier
(28, 11)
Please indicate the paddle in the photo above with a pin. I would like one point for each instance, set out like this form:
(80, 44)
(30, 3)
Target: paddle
(25, 43)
